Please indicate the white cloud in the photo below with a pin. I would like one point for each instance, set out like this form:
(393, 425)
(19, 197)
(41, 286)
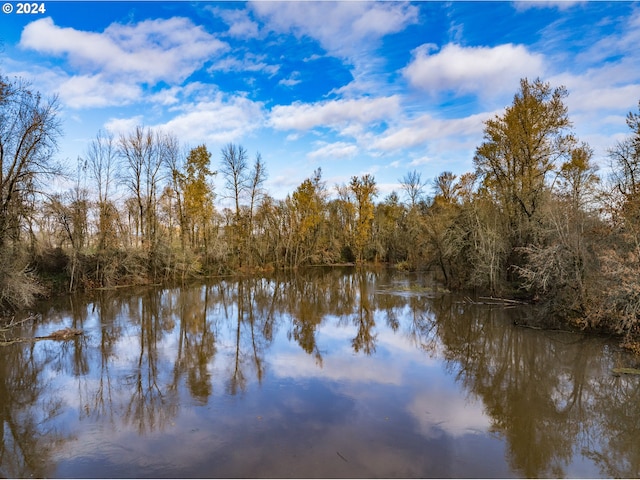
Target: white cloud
(341, 28)
(479, 70)
(608, 85)
(240, 23)
(149, 51)
(217, 120)
(333, 113)
(167, 96)
(350, 31)
(426, 128)
(291, 81)
(416, 162)
(522, 5)
(292, 137)
(250, 63)
(603, 81)
(84, 91)
(123, 125)
(334, 150)
(598, 99)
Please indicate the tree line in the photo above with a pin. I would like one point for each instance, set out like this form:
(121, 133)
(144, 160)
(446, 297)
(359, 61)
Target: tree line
(534, 219)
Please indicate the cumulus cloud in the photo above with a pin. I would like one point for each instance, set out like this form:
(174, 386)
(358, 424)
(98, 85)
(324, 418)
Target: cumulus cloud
(479, 70)
(333, 113)
(167, 96)
(150, 51)
(85, 91)
(217, 120)
(595, 97)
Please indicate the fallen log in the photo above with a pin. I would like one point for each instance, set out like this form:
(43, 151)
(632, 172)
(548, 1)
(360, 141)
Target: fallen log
(504, 300)
(59, 335)
(64, 334)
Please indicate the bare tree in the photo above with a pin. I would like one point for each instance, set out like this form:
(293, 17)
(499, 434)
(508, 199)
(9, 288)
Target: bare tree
(257, 178)
(413, 185)
(144, 153)
(100, 160)
(234, 170)
(29, 130)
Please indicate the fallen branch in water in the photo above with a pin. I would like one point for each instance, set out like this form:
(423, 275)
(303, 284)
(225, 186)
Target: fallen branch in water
(60, 335)
(504, 300)
(14, 323)
(64, 334)
(524, 325)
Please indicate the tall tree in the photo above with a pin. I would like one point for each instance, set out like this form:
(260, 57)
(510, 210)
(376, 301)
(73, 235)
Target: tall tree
(307, 213)
(441, 230)
(625, 166)
(141, 164)
(29, 130)
(198, 195)
(413, 186)
(234, 169)
(520, 148)
(390, 230)
(145, 153)
(257, 177)
(100, 159)
(364, 190)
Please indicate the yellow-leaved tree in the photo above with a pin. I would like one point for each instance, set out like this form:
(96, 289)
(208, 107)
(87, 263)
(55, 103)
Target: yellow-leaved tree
(520, 150)
(198, 197)
(364, 190)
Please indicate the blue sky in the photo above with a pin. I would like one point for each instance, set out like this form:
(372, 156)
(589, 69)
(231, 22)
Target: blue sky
(352, 87)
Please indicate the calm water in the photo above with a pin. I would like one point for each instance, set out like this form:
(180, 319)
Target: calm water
(331, 373)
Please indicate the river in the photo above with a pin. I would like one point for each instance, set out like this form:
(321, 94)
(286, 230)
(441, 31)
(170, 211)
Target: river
(331, 373)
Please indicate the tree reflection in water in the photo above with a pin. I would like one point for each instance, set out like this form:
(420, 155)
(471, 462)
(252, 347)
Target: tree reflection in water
(150, 355)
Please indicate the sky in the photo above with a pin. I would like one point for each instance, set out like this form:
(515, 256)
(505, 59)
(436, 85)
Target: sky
(353, 87)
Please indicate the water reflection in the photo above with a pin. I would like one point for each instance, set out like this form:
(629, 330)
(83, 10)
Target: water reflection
(331, 373)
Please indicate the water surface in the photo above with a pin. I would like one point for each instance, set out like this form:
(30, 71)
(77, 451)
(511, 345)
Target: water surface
(328, 373)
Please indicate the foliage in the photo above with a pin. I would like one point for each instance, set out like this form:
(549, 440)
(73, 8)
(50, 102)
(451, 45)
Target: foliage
(197, 194)
(520, 150)
(363, 190)
(534, 219)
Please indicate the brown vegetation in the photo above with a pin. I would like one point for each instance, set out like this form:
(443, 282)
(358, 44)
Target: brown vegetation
(533, 221)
